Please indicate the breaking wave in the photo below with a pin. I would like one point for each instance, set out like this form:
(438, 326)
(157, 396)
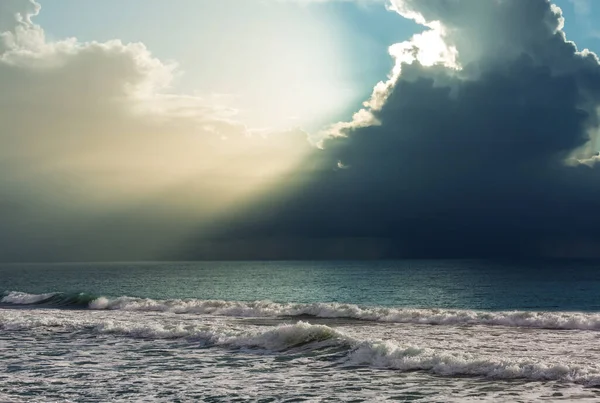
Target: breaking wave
(65, 300)
(542, 320)
(389, 355)
(303, 337)
(280, 338)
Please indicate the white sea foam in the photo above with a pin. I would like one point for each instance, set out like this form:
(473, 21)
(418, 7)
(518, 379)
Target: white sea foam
(280, 338)
(526, 319)
(59, 355)
(390, 355)
(22, 298)
(545, 320)
(451, 360)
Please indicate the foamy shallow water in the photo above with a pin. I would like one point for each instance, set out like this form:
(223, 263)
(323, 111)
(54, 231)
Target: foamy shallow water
(49, 355)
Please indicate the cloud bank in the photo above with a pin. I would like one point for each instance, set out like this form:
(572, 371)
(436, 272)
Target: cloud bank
(482, 143)
(99, 160)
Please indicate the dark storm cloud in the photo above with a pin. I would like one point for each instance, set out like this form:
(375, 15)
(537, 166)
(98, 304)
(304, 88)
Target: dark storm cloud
(490, 152)
(492, 160)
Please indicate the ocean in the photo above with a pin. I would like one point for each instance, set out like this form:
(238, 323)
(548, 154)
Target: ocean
(430, 331)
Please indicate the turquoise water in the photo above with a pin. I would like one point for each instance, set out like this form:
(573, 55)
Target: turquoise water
(432, 331)
(548, 285)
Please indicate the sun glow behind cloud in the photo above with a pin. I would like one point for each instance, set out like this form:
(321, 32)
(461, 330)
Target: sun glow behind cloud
(95, 129)
(104, 143)
(279, 64)
(427, 48)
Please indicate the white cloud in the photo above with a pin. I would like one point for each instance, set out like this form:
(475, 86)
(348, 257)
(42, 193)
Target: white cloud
(466, 33)
(93, 127)
(429, 48)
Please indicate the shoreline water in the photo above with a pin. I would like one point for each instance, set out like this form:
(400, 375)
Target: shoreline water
(173, 341)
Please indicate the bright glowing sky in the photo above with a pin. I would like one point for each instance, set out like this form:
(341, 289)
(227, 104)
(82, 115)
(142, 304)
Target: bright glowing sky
(308, 65)
(99, 136)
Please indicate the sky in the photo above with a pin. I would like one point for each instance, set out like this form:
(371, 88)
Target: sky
(338, 48)
(327, 54)
(298, 129)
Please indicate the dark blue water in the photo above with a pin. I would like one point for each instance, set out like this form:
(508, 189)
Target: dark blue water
(548, 285)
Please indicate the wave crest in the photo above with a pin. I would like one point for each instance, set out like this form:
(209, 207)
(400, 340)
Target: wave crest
(280, 338)
(543, 320)
(303, 337)
(55, 299)
(388, 355)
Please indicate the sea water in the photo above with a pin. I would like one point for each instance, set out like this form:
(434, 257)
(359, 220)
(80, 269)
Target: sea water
(432, 331)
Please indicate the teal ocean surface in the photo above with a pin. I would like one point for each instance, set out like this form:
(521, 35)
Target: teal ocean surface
(546, 285)
(300, 331)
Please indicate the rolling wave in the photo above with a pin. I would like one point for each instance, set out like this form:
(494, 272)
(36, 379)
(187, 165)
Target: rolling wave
(266, 309)
(303, 337)
(57, 299)
(389, 355)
